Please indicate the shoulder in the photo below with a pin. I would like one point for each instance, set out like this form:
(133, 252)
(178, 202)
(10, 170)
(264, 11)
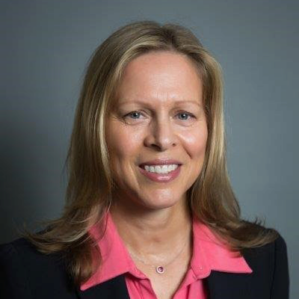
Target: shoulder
(27, 273)
(21, 247)
(270, 266)
(275, 249)
(22, 253)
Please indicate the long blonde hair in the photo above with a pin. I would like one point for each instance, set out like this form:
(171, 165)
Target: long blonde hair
(88, 195)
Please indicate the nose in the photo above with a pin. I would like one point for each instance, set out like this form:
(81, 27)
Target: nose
(161, 135)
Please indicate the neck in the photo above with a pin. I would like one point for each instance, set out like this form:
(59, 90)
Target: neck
(153, 232)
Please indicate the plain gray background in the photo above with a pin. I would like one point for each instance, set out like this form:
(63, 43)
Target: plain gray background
(45, 46)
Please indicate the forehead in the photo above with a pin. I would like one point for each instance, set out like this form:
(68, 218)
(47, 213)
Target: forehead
(163, 75)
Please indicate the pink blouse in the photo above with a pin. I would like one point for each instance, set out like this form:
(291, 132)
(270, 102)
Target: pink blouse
(208, 254)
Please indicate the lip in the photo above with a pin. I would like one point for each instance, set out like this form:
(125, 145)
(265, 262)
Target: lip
(161, 177)
(160, 162)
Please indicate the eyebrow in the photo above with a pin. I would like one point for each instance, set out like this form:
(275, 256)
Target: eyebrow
(175, 102)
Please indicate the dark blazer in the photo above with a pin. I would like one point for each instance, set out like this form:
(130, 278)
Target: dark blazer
(28, 274)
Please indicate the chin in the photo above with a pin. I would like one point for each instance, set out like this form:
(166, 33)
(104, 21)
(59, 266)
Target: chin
(157, 202)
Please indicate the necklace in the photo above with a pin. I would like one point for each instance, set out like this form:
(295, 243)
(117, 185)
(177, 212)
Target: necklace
(161, 269)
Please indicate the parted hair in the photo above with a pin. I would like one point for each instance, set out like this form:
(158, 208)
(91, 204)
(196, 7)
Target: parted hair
(90, 185)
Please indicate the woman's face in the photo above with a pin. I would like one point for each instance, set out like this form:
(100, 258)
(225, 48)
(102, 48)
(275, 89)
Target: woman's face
(157, 131)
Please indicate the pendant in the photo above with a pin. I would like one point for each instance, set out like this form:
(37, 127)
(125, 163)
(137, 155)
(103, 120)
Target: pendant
(160, 269)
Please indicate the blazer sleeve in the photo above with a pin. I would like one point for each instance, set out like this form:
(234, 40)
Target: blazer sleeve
(13, 275)
(281, 281)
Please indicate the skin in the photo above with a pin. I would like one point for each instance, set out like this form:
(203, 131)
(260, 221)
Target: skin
(159, 115)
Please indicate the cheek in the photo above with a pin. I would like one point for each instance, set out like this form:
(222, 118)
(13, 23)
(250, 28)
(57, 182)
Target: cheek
(123, 144)
(123, 148)
(195, 143)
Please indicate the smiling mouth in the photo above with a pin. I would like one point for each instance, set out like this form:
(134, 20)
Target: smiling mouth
(161, 173)
(160, 169)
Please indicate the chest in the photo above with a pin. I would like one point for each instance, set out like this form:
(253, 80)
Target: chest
(165, 285)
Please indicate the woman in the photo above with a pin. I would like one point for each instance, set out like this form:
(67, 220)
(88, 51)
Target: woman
(150, 211)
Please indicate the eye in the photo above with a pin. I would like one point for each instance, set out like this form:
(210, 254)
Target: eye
(133, 115)
(185, 115)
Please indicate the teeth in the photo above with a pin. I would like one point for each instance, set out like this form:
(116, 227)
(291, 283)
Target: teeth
(161, 168)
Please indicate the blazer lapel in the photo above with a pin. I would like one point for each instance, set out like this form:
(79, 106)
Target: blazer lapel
(220, 285)
(228, 285)
(112, 289)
